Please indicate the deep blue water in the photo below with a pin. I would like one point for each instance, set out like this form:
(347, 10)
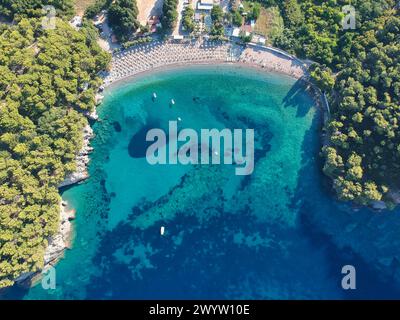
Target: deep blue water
(276, 234)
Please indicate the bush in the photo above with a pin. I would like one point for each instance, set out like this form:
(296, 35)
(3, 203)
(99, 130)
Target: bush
(217, 15)
(122, 16)
(255, 11)
(95, 8)
(187, 19)
(132, 43)
(33, 8)
(170, 14)
(322, 77)
(237, 18)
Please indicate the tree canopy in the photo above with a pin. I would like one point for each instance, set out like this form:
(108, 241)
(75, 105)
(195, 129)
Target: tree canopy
(47, 78)
(217, 16)
(188, 18)
(122, 15)
(33, 8)
(170, 14)
(366, 113)
(360, 72)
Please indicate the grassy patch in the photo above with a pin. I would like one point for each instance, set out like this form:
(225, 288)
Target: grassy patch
(81, 5)
(270, 22)
(274, 23)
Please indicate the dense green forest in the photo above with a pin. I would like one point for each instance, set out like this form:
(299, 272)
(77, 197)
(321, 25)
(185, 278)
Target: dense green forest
(313, 28)
(360, 72)
(96, 7)
(170, 14)
(364, 156)
(33, 8)
(47, 78)
(217, 17)
(122, 16)
(188, 19)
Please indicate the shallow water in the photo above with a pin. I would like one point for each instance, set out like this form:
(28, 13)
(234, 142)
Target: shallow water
(226, 236)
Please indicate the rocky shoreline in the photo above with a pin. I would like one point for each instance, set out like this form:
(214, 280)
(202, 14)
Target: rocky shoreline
(62, 239)
(56, 246)
(82, 159)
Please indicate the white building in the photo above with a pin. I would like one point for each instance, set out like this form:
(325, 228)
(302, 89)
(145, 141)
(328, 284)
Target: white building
(236, 32)
(76, 22)
(206, 4)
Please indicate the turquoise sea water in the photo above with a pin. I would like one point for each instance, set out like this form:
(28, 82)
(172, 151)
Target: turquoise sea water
(226, 236)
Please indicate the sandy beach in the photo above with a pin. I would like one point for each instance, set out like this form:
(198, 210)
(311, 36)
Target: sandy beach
(271, 60)
(159, 57)
(162, 55)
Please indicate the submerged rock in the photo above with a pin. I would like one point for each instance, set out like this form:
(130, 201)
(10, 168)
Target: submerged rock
(372, 236)
(117, 126)
(138, 145)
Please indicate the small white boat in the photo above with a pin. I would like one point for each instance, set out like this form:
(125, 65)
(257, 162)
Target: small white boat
(172, 101)
(154, 95)
(162, 230)
(216, 153)
(179, 119)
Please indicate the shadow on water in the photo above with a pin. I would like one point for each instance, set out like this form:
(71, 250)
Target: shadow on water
(16, 292)
(296, 94)
(117, 126)
(194, 260)
(138, 145)
(370, 284)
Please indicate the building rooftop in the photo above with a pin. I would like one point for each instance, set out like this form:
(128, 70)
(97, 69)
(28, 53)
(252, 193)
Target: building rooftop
(201, 6)
(236, 32)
